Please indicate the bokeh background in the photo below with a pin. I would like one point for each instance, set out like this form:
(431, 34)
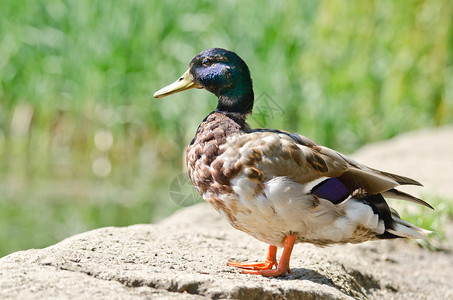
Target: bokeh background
(83, 144)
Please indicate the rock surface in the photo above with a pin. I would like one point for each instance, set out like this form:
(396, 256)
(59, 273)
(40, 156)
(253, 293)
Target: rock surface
(184, 256)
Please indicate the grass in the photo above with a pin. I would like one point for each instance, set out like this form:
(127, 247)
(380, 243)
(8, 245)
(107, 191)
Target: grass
(84, 145)
(436, 220)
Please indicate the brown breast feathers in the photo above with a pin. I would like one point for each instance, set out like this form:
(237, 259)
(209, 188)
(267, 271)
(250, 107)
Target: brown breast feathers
(206, 170)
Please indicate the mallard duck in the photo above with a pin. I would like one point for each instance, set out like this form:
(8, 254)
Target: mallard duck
(279, 187)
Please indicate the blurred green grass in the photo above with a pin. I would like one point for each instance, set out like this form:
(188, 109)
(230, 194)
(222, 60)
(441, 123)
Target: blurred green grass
(84, 145)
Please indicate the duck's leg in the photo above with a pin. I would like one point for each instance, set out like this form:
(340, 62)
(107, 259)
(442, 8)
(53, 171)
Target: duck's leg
(270, 261)
(283, 265)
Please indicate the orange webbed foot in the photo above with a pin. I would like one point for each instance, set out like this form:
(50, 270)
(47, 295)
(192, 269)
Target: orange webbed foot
(268, 273)
(256, 266)
(270, 261)
(265, 268)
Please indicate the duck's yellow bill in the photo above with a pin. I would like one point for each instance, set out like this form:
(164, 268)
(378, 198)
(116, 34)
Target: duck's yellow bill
(183, 83)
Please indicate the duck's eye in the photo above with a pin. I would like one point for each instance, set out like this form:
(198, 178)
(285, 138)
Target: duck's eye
(206, 62)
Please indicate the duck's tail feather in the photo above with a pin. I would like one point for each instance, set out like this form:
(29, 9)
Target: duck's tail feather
(396, 194)
(399, 227)
(405, 229)
(395, 227)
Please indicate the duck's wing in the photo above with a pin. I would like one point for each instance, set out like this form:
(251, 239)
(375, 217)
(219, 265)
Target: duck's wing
(324, 172)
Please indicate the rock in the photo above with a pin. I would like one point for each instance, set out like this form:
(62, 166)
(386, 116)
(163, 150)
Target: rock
(425, 155)
(184, 257)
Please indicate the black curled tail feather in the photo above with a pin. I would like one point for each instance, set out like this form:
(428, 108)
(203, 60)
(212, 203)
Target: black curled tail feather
(382, 209)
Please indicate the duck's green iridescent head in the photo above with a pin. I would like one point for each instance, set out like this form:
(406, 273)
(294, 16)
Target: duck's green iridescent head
(222, 73)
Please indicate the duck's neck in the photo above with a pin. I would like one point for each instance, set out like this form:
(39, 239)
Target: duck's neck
(223, 124)
(239, 119)
(238, 101)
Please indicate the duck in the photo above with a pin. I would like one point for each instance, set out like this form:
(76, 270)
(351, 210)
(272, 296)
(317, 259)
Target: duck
(279, 187)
